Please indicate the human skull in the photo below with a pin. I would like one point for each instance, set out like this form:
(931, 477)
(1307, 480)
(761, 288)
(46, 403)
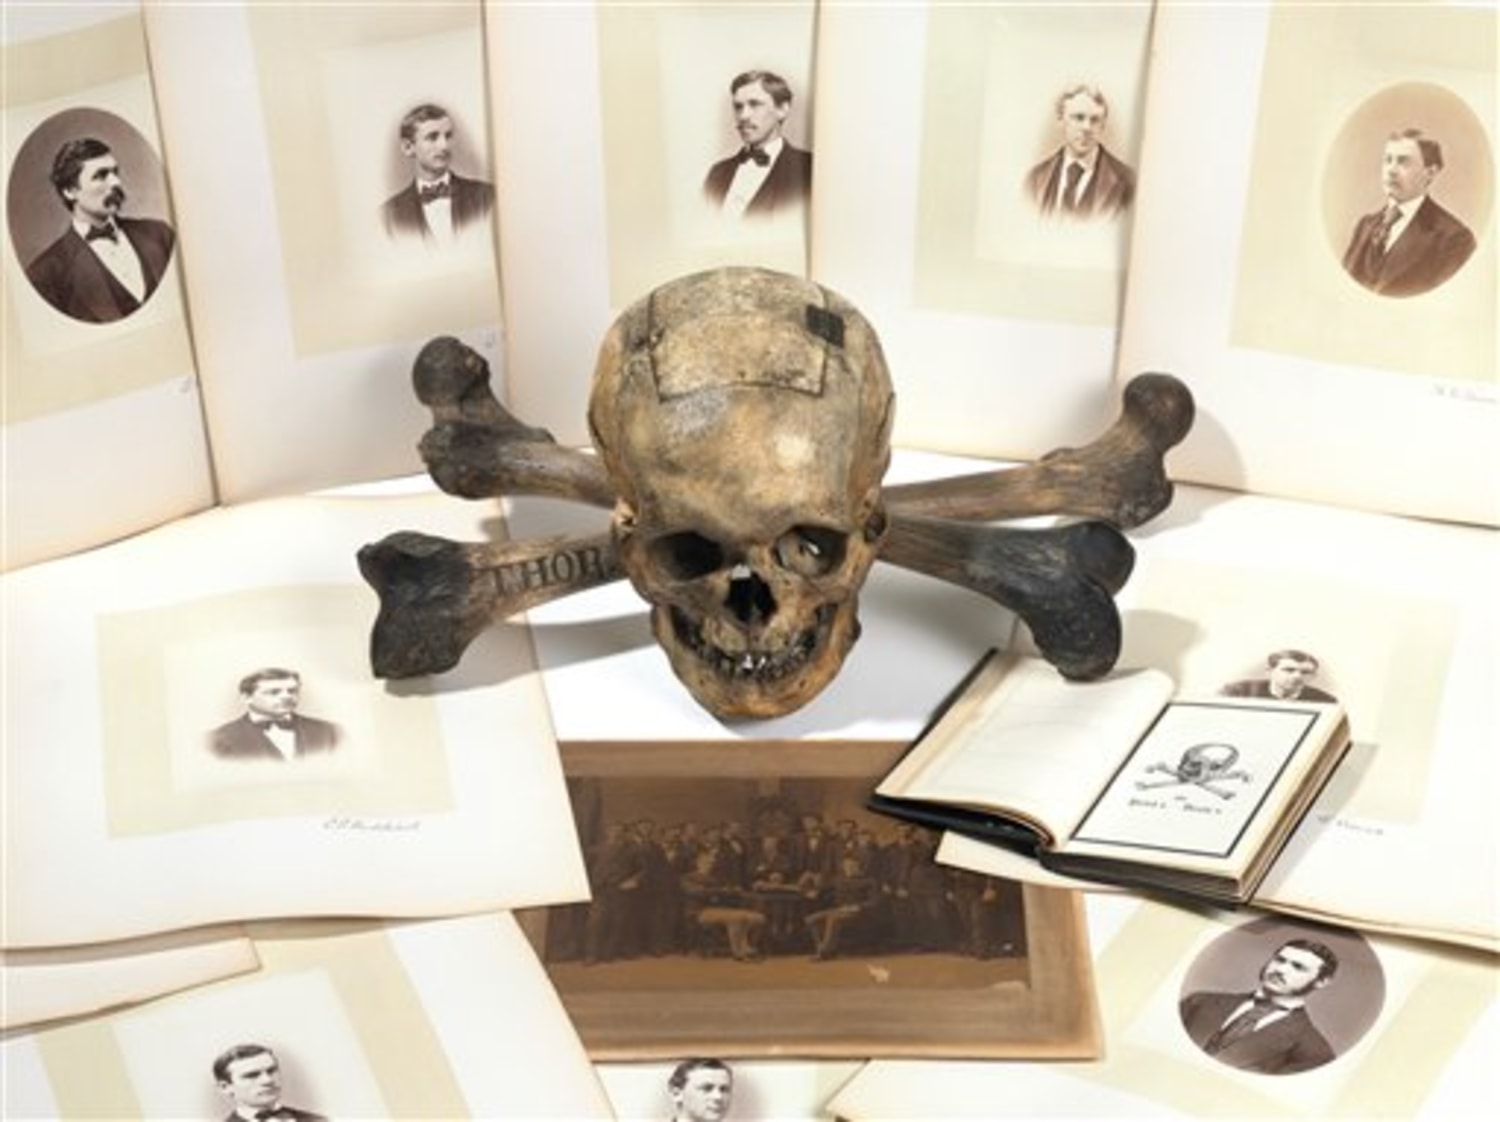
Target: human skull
(1204, 761)
(744, 419)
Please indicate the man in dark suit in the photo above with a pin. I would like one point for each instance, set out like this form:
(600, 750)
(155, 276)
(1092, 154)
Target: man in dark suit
(768, 176)
(271, 728)
(105, 265)
(1082, 179)
(1411, 244)
(1290, 674)
(438, 205)
(249, 1077)
(1268, 1029)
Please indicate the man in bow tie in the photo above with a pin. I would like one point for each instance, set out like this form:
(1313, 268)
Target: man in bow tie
(437, 205)
(1082, 179)
(1411, 244)
(104, 266)
(249, 1077)
(768, 176)
(1268, 1029)
(271, 728)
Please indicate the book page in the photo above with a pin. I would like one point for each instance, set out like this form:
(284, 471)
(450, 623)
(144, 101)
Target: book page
(942, 137)
(1311, 382)
(1022, 739)
(1207, 784)
(313, 272)
(449, 1019)
(608, 120)
(99, 370)
(49, 984)
(134, 674)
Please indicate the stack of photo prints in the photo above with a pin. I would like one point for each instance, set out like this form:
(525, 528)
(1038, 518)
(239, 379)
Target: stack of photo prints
(1251, 871)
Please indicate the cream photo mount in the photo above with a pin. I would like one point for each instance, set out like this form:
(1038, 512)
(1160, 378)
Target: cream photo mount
(168, 676)
(452, 1018)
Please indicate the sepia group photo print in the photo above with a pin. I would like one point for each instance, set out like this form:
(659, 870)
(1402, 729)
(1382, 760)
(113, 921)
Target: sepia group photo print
(743, 897)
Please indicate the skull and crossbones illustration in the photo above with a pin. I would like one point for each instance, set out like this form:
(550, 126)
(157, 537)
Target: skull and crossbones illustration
(1201, 766)
(741, 421)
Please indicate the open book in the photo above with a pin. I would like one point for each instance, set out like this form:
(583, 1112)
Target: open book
(1119, 780)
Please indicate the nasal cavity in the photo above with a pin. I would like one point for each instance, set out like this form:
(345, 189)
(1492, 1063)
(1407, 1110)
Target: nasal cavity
(749, 599)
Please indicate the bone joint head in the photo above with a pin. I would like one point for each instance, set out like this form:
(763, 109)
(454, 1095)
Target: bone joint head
(744, 419)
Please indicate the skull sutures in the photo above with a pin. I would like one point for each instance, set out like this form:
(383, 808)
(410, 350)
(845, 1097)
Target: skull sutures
(744, 420)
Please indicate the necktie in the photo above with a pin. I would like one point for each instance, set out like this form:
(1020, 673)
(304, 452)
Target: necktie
(105, 231)
(275, 723)
(1070, 186)
(1387, 222)
(758, 156)
(1375, 248)
(1242, 1025)
(439, 191)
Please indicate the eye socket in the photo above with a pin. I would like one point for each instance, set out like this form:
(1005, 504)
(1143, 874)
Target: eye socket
(686, 555)
(811, 551)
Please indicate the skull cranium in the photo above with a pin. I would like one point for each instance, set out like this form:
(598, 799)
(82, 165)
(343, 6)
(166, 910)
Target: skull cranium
(744, 419)
(1206, 761)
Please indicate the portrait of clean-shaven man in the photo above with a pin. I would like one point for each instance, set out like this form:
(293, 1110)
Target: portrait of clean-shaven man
(1411, 243)
(1289, 676)
(270, 726)
(701, 1090)
(438, 205)
(1081, 179)
(248, 1076)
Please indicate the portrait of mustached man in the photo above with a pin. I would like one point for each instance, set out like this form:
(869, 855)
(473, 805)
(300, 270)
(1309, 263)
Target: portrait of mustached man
(104, 265)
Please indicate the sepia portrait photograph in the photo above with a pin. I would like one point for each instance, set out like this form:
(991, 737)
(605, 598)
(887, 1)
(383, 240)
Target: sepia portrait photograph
(1028, 163)
(745, 903)
(1279, 997)
(707, 137)
(709, 1088)
(436, 206)
(89, 216)
(1287, 674)
(1409, 150)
